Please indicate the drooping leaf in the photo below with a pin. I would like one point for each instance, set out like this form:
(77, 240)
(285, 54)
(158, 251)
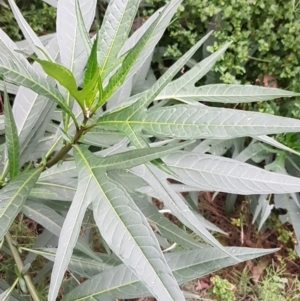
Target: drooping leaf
(120, 282)
(60, 73)
(13, 195)
(12, 139)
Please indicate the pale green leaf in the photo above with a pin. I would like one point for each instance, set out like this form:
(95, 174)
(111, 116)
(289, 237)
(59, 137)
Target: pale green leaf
(212, 173)
(159, 181)
(15, 69)
(193, 122)
(222, 93)
(13, 195)
(186, 82)
(127, 232)
(82, 29)
(120, 282)
(133, 158)
(115, 30)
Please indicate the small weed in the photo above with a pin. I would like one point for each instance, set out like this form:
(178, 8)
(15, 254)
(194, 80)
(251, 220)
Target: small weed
(222, 289)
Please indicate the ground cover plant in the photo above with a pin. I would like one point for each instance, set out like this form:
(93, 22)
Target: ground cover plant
(88, 139)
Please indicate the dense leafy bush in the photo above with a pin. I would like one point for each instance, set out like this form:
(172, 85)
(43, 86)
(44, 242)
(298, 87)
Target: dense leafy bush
(91, 140)
(39, 15)
(264, 32)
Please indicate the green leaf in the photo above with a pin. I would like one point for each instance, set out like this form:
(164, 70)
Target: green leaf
(13, 196)
(71, 229)
(15, 69)
(60, 73)
(222, 93)
(12, 139)
(135, 157)
(82, 29)
(193, 122)
(126, 230)
(121, 118)
(118, 78)
(92, 63)
(115, 30)
(120, 282)
(186, 82)
(213, 173)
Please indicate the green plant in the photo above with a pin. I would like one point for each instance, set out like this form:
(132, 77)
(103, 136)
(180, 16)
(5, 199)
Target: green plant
(222, 289)
(82, 146)
(39, 15)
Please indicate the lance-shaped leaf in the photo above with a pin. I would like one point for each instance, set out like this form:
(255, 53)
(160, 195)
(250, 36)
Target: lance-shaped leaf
(69, 38)
(222, 93)
(193, 122)
(13, 196)
(15, 69)
(174, 201)
(12, 139)
(135, 157)
(115, 30)
(120, 282)
(118, 78)
(71, 228)
(127, 231)
(126, 113)
(189, 79)
(214, 173)
(82, 29)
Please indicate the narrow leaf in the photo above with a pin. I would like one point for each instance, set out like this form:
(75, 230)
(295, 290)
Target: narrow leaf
(115, 30)
(12, 139)
(222, 93)
(127, 232)
(212, 173)
(13, 196)
(120, 282)
(193, 122)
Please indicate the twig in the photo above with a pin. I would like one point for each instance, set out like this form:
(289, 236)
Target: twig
(20, 266)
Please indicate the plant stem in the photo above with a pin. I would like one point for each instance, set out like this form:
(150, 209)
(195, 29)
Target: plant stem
(20, 266)
(63, 152)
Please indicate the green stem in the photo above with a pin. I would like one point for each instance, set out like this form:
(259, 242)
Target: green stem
(10, 290)
(20, 266)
